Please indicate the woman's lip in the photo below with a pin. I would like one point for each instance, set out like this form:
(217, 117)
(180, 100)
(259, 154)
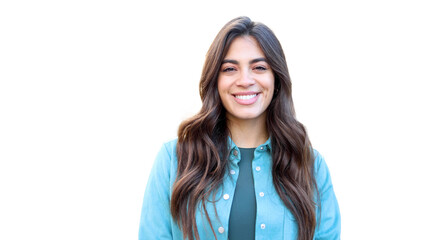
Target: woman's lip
(244, 93)
(246, 101)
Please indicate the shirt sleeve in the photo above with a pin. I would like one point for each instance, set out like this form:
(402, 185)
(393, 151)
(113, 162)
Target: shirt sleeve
(155, 222)
(328, 220)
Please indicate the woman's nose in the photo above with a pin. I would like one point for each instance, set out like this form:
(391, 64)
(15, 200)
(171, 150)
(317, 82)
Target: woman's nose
(245, 79)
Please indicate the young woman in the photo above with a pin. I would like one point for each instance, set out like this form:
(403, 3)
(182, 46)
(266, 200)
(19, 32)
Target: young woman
(243, 167)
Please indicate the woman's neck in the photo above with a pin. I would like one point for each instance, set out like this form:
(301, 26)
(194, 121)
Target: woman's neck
(248, 133)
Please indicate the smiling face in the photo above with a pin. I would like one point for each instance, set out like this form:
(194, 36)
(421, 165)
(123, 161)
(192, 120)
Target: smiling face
(246, 81)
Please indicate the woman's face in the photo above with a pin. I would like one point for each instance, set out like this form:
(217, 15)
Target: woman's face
(246, 81)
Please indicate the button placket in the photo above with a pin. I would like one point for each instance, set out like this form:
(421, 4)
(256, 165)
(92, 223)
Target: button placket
(235, 153)
(258, 168)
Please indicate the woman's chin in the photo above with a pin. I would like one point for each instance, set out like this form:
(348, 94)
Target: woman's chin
(246, 116)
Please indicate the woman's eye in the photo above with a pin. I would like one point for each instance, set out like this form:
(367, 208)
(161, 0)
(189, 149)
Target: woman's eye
(228, 69)
(260, 68)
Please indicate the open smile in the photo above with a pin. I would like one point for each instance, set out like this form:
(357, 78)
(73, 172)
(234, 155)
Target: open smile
(246, 98)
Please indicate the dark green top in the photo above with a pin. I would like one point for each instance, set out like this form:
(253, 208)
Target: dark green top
(242, 218)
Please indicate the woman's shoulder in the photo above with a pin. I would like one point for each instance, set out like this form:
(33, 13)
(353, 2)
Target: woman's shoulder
(322, 173)
(165, 161)
(170, 145)
(318, 158)
(168, 150)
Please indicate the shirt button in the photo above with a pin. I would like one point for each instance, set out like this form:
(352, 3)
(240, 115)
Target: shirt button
(226, 196)
(232, 172)
(261, 148)
(258, 169)
(262, 226)
(221, 230)
(261, 194)
(235, 153)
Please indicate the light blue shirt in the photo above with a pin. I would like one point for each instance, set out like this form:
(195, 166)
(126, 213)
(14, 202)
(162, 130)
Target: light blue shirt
(273, 219)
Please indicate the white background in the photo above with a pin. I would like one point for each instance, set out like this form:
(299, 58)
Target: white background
(89, 90)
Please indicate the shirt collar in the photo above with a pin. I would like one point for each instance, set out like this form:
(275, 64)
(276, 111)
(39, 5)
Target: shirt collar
(234, 152)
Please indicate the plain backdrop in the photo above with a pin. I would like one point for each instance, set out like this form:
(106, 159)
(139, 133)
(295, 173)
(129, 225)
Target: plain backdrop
(89, 90)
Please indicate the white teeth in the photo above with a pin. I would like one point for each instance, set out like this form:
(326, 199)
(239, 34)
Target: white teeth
(245, 97)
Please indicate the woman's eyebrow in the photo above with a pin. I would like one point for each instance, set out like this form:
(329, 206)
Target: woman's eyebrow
(229, 61)
(251, 61)
(258, 60)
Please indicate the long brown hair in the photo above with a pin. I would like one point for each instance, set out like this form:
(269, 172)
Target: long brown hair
(202, 140)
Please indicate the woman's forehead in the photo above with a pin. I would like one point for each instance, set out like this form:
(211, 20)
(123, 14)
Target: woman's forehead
(244, 48)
